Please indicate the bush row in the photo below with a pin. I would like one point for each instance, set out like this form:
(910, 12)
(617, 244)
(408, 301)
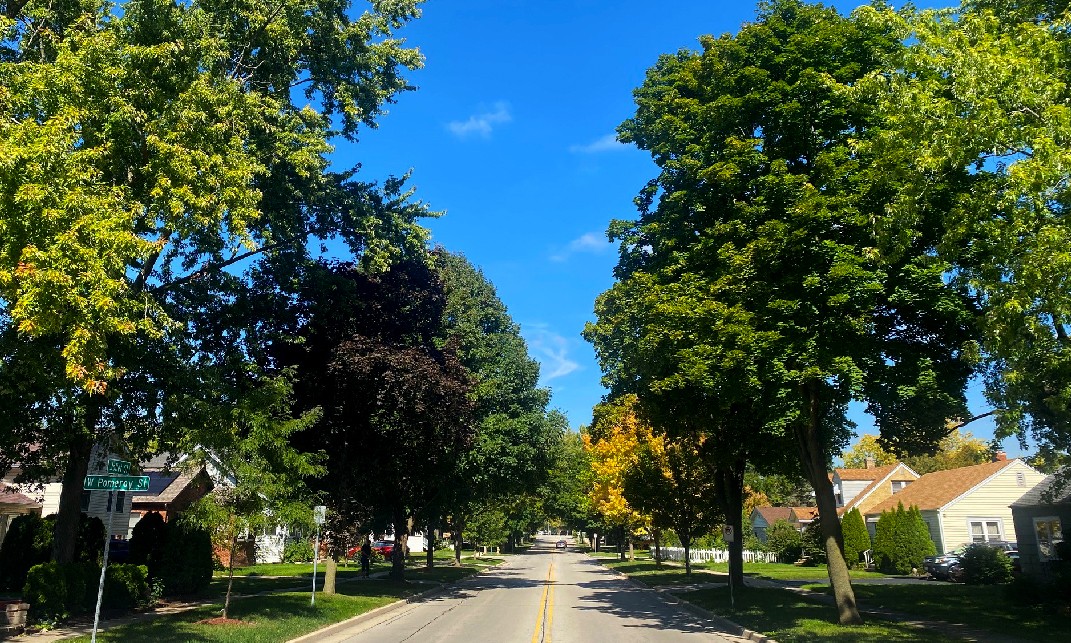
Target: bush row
(29, 542)
(58, 590)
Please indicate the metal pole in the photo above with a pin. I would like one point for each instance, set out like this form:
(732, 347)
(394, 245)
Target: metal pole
(315, 559)
(104, 565)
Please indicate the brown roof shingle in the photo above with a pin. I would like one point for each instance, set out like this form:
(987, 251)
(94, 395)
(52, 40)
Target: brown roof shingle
(805, 513)
(935, 490)
(861, 496)
(773, 514)
(874, 473)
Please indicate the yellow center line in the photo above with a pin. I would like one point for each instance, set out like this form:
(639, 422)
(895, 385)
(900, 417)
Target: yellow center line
(550, 607)
(543, 602)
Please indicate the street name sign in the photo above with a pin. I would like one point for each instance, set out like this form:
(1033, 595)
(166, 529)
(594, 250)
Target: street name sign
(116, 483)
(121, 467)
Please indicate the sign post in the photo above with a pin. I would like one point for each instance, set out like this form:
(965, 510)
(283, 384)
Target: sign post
(729, 537)
(111, 484)
(319, 516)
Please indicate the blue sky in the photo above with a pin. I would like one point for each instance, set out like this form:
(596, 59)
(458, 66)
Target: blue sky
(511, 133)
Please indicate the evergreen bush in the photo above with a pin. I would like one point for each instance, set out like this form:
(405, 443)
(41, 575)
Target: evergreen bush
(56, 591)
(902, 541)
(783, 539)
(297, 551)
(148, 543)
(125, 587)
(813, 543)
(981, 564)
(856, 537)
(187, 564)
(22, 549)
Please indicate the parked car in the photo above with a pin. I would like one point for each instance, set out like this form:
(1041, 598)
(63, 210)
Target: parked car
(381, 547)
(947, 567)
(561, 544)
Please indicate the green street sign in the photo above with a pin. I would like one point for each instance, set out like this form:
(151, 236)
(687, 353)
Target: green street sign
(116, 483)
(118, 466)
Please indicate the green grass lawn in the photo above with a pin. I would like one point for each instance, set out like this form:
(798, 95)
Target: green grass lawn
(647, 572)
(278, 617)
(441, 573)
(783, 571)
(290, 569)
(788, 618)
(986, 607)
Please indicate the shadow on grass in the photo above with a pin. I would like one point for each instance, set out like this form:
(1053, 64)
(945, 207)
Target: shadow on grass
(788, 618)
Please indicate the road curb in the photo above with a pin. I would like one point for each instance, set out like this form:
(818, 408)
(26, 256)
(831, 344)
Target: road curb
(336, 628)
(723, 624)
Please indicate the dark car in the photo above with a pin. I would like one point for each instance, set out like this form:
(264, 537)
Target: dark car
(561, 544)
(947, 567)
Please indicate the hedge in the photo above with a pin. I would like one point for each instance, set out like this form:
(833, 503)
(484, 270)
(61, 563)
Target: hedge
(56, 591)
(856, 537)
(902, 540)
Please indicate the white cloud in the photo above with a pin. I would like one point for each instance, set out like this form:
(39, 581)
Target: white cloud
(607, 143)
(481, 124)
(589, 242)
(551, 350)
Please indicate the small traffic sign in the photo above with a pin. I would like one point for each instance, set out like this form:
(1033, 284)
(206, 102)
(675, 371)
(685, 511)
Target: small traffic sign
(116, 483)
(121, 467)
(319, 514)
(727, 533)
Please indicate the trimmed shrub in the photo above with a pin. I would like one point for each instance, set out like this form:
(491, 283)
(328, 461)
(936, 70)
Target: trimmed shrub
(125, 587)
(902, 541)
(784, 540)
(187, 563)
(90, 545)
(813, 543)
(297, 551)
(148, 543)
(56, 591)
(856, 537)
(981, 564)
(23, 547)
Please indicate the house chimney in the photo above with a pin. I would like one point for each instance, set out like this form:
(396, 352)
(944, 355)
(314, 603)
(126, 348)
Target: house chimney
(870, 463)
(1000, 456)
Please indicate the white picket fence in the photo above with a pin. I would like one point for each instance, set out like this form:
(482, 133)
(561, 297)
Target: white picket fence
(716, 555)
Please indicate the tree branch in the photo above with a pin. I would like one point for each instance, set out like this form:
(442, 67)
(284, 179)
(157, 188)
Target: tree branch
(219, 265)
(964, 423)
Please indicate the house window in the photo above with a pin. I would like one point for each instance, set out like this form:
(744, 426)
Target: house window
(986, 530)
(1020, 479)
(898, 485)
(1050, 533)
(120, 498)
(86, 497)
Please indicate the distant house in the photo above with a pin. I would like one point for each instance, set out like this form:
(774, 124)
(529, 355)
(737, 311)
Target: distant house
(95, 504)
(1041, 517)
(169, 493)
(13, 503)
(762, 517)
(964, 505)
(884, 482)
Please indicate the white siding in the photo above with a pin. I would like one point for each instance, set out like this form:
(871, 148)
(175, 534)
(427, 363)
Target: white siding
(991, 499)
(852, 488)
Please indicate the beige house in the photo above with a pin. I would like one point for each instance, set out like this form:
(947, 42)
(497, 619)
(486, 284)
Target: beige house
(883, 483)
(964, 505)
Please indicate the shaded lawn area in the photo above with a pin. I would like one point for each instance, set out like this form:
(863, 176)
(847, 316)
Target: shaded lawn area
(788, 618)
(984, 607)
(647, 572)
(784, 571)
(441, 574)
(278, 617)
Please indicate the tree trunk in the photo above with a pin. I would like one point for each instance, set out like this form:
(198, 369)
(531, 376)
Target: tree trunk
(657, 533)
(687, 544)
(429, 538)
(230, 565)
(621, 543)
(730, 490)
(631, 550)
(65, 541)
(457, 546)
(330, 568)
(814, 462)
(401, 540)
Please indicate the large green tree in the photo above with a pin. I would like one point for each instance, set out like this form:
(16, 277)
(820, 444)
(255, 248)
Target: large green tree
(148, 156)
(976, 109)
(753, 258)
(516, 436)
(397, 414)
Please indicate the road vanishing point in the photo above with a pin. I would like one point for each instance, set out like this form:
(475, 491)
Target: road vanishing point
(546, 595)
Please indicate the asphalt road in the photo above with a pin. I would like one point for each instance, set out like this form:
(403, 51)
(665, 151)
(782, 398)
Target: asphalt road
(548, 595)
